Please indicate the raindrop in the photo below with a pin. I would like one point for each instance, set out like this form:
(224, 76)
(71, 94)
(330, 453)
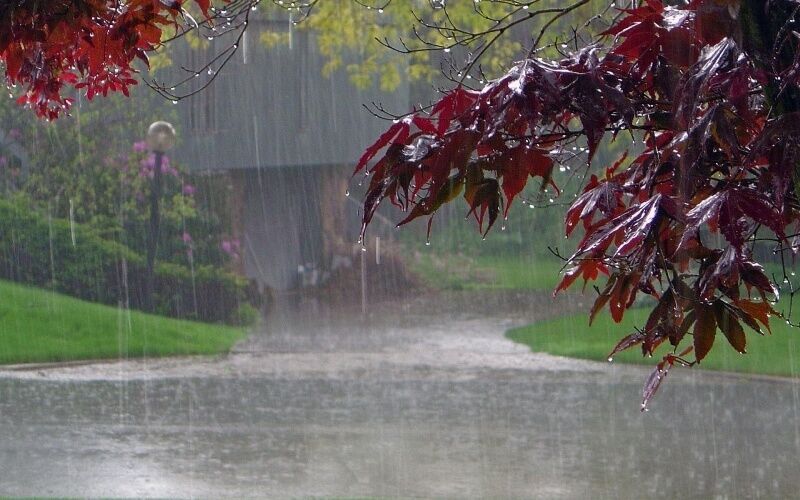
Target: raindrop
(347, 193)
(610, 359)
(447, 49)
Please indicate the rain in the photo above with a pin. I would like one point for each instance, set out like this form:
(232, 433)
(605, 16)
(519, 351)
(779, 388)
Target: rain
(198, 300)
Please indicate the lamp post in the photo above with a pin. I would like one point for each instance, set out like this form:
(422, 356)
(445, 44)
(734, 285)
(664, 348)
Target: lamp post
(160, 138)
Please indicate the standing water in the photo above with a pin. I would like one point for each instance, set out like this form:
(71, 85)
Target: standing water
(419, 399)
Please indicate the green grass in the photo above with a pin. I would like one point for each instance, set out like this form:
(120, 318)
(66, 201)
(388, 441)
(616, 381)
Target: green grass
(457, 272)
(38, 325)
(775, 354)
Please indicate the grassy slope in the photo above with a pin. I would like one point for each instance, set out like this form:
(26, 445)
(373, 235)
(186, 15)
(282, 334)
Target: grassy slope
(774, 354)
(487, 272)
(37, 325)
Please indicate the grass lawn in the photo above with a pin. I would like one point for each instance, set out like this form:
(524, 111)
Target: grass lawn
(37, 325)
(775, 354)
(517, 272)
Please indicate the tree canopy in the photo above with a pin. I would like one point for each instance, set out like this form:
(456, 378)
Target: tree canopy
(709, 91)
(406, 39)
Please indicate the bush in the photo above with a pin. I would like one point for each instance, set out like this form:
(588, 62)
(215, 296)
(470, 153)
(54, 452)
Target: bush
(76, 260)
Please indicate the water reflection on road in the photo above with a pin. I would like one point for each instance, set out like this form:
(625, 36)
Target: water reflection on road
(420, 400)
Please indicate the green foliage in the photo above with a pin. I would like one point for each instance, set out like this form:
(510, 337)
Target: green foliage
(74, 259)
(245, 315)
(347, 33)
(94, 169)
(38, 325)
(68, 160)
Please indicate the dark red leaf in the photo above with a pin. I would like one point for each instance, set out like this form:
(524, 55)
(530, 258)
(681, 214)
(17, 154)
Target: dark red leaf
(397, 133)
(705, 328)
(653, 382)
(759, 310)
(627, 342)
(730, 327)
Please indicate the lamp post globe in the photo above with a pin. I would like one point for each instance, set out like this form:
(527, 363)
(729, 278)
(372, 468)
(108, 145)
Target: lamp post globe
(160, 137)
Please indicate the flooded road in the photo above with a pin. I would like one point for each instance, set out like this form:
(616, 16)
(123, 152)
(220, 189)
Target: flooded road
(420, 399)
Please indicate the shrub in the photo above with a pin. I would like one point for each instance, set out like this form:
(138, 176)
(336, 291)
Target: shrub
(74, 259)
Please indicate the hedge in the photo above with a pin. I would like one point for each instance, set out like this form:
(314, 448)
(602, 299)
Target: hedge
(76, 260)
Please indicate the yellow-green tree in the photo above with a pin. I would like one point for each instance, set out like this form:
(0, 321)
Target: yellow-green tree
(422, 40)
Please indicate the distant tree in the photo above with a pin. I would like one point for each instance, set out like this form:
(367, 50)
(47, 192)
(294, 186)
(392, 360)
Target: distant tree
(388, 42)
(710, 92)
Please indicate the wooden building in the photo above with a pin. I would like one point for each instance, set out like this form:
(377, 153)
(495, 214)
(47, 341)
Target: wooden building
(288, 138)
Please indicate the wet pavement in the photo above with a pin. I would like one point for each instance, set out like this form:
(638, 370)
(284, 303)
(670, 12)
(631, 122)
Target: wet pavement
(424, 398)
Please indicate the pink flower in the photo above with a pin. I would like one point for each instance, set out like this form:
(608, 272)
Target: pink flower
(231, 247)
(146, 167)
(139, 147)
(188, 190)
(187, 238)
